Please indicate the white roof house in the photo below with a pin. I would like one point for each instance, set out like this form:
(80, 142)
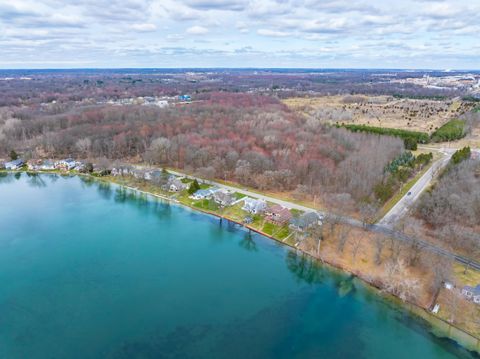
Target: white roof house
(254, 206)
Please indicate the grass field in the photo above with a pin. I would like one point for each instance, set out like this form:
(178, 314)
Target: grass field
(381, 111)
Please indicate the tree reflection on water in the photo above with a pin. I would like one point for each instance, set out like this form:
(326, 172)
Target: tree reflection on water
(248, 243)
(304, 267)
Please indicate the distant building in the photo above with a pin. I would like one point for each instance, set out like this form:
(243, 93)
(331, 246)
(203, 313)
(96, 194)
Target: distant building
(305, 221)
(14, 165)
(162, 103)
(472, 293)
(185, 98)
(278, 214)
(254, 206)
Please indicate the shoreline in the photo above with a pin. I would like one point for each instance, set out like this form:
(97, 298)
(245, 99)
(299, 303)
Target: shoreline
(438, 326)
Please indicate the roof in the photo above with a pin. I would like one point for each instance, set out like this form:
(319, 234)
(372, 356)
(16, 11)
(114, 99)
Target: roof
(282, 214)
(202, 192)
(252, 202)
(17, 162)
(305, 220)
(474, 290)
(176, 182)
(223, 196)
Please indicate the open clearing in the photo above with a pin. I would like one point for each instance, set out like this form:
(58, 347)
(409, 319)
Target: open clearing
(382, 111)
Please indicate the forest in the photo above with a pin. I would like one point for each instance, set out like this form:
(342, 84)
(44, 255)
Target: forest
(252, 139)
(451, 209)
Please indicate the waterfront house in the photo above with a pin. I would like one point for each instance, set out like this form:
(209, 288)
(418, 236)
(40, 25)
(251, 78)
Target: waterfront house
(305, 221)
(140, 174)
(122, 171)
(278, 214)
(472, 293)
(254, 206)
(175, 185)
(201, 194)
(223, 198)
(33, 164)
(47, 165)
(205, 193)
(14, 165)
(66, 164)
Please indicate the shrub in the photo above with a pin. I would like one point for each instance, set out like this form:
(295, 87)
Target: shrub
(461, 155)
(405, 159)
(423, 159)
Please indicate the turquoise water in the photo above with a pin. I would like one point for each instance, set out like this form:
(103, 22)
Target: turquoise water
(94, 271)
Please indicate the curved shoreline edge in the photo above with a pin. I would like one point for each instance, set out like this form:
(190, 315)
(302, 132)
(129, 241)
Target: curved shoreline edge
(438, 326)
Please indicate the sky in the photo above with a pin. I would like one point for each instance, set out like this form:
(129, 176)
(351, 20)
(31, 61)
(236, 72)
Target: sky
(409, 34)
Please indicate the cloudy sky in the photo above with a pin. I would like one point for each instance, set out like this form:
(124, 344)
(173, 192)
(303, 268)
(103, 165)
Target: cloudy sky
(240, 33)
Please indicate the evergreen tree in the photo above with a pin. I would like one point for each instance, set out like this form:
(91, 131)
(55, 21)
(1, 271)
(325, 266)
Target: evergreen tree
(194, 187)
(13, 155)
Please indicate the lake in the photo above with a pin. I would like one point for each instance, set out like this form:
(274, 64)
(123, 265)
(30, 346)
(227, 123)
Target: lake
(90, 270)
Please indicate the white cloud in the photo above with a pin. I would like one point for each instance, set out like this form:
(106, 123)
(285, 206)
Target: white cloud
(197, 30)
(239, 32)
(144, 27)
(272, 33)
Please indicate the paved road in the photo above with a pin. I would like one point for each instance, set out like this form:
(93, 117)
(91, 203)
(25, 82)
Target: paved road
(401, 207)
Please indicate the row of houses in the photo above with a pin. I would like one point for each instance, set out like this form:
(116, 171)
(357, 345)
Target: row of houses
(44, 165)
(14, 165)
(167, 182)
(222, 197)
(276, 213)
(67, 164)
(280, 215)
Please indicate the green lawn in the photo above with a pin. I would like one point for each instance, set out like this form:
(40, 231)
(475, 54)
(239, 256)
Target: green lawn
(283, 232)
(268, 228)
(239, 195)
(452, 130)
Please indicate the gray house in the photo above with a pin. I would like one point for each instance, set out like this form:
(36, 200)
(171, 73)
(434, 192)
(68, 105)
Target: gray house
(305, 221)
(472, 293)
(223, 198)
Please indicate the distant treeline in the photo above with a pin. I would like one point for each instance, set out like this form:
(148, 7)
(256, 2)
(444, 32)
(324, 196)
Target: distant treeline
(410, 138)
(421, 97)
(452, 130)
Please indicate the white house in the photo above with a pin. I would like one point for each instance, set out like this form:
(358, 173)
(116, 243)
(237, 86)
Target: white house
(472, 293)
(14, 165)
(66, 164)
(254, 206)
(204, 193)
